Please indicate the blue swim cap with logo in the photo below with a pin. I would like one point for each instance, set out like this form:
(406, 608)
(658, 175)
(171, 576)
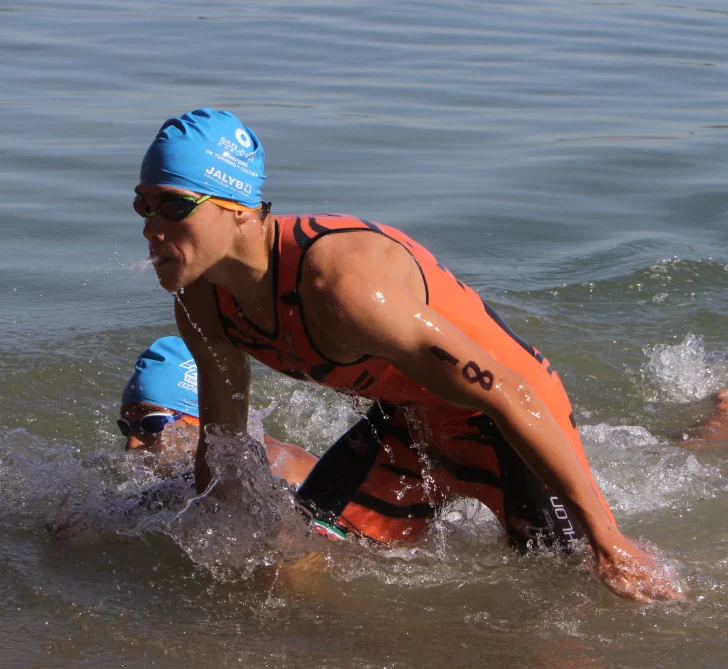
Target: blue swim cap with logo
(209, 152)
(165, 375)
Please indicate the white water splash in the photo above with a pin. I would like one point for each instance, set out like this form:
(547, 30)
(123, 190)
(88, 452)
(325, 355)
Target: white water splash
(312, 417)
(638, 473)
(247, 518)
(621, 437)
(682, 373)
(255, 421)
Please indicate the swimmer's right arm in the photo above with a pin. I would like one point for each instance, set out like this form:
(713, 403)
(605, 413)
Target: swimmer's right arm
(223, 370)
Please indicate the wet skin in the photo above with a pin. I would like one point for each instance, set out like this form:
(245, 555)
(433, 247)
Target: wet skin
(177, 436)
(712, 433)
(183, 250)
(363, 295)
(168, 451)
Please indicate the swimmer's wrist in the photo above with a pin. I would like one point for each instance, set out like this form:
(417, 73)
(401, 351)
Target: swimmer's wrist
(606, 540)
(602, 531)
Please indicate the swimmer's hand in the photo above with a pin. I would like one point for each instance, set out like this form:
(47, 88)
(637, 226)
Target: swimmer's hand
(630, 572)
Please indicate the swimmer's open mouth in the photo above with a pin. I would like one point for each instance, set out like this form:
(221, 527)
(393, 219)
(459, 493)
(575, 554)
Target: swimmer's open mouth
(158, 261)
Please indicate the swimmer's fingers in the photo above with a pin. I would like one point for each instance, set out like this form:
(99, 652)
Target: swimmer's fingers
(645, 590)
(639, 578)
(623, 588)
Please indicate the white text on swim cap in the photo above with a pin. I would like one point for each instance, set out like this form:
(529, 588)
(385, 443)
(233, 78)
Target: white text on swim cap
(190, 379)
(218, 175)
(235, 149)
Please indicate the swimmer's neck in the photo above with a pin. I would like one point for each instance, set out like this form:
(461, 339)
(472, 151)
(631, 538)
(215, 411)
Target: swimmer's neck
(246, 268)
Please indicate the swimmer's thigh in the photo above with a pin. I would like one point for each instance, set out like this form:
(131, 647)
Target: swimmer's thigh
(369, 481)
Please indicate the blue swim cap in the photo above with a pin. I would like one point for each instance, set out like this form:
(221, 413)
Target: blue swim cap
(209, 152)
(166, 375)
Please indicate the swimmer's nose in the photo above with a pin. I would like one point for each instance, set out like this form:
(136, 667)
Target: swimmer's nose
(151, 231)
(133, 443)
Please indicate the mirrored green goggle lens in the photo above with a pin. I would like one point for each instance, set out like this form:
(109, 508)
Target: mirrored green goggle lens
(173, 209)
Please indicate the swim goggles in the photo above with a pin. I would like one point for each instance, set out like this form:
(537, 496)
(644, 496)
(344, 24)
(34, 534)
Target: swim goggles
(179, 207)
(173, 208)
(152, 423)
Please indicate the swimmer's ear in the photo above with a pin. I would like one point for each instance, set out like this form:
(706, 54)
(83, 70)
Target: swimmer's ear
(240, 216)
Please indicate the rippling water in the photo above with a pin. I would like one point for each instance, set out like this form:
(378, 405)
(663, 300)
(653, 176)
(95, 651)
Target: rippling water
(566, 159)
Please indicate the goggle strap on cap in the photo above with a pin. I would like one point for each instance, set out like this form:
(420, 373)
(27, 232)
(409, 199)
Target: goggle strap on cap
(233, 206)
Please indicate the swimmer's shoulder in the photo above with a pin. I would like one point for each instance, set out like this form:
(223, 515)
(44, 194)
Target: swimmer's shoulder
(339, 266)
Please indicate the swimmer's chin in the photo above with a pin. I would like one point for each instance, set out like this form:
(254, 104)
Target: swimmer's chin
(170, 284)
(173, 274)
(167, 277)
(172, 287)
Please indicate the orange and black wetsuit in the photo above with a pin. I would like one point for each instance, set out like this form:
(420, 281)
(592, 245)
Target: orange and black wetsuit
(412, 452)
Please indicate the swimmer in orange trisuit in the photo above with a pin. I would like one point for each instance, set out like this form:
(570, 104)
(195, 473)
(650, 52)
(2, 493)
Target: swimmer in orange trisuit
(463, 406)
(159, 415)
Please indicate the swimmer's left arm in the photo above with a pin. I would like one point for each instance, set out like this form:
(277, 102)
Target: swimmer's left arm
(431, 351)
(370, 309)
(375, 314)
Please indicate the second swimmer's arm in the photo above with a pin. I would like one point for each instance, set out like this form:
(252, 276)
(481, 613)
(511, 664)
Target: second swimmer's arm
(223, 371)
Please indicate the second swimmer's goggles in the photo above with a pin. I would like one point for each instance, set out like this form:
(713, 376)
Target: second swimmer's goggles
(152, 423)
(179, 207)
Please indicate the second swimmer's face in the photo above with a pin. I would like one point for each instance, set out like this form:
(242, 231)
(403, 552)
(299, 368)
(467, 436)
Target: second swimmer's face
(167, 451)
(182, 251)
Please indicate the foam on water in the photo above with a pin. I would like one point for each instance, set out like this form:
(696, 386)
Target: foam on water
(246, 518)
(84, 496)
(35, 476)
(682, 372)
(308, 415)
(53, 484)
(641, 472)
(249, 519)
(638, 473)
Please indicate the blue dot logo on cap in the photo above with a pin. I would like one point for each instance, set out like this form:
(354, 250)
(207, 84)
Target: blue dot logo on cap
(243, 137)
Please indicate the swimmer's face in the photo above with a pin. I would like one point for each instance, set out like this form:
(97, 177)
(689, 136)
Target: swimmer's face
(172, 448)
(182, 251)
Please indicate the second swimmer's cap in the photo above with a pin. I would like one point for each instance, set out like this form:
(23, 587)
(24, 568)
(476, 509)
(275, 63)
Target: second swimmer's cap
(165, 375)
(209, 152)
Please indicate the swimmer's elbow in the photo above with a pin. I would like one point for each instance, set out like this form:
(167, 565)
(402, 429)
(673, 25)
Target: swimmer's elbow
(512, 398)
